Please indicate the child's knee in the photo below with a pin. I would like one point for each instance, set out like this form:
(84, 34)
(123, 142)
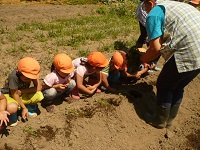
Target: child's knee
(12, 108)
(72, 84)
(50, 93)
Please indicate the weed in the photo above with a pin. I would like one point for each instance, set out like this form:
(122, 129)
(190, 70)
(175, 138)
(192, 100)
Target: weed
(41, 37)
(2, 31)
(14, 36)
(101, 10)
(106, 48)
(83, 53)
(23, 27)
(31, 131)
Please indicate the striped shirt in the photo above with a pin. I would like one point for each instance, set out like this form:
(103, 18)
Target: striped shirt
(182, 23)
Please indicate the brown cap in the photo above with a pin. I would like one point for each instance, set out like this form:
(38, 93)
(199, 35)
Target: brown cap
(29, 67)
(63, 63)
(119, 60)
(97, 59)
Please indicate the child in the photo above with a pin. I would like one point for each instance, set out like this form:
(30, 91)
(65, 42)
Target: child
(17, 88)
(3, 113)
(58, 81)
(119, 67)
(88, 67)
(111, 73)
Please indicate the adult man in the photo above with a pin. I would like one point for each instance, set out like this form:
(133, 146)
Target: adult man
(181, 50)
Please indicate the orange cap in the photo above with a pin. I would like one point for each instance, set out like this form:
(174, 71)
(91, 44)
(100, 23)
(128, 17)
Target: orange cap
(119, 60)
(97, 59)
(29, 67)
(195, 2)
(63, 63)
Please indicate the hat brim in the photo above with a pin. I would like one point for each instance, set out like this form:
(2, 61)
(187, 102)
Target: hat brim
(194, 2)
(105, 64)
(123, 67)
(70, 70)
(31, 76)
(143, 50)
(116, 67)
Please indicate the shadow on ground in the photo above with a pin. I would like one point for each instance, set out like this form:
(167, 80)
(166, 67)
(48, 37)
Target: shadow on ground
(142, 96)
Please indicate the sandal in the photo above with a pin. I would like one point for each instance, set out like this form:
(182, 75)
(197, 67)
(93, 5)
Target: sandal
(50, 108)
(69, 99)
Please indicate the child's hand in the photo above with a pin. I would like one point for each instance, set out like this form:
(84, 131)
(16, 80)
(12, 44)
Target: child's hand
(62, 86)
(138, 75)
(92, 91)
(89, 87)
(112, 90)
(146, 65)
(19, 92)
(24, 113)
(152, 66)
(4, 117)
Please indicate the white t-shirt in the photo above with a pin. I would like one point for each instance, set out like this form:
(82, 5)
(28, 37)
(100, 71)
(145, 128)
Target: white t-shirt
(54, 78)
(80, 69)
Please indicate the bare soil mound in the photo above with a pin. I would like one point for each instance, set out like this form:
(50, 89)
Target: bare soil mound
(104, 121)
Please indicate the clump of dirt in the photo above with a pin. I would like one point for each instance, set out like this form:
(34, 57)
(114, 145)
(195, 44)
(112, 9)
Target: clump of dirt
(8, 147)
(47, 132)
(194, 139)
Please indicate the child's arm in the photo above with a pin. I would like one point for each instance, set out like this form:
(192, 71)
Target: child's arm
(95, 86)
(37, 87)
(106, 84)
(3, 112)
(79, 82)
(16, 95)
(137, 74)
(126, 74)
(56, 86)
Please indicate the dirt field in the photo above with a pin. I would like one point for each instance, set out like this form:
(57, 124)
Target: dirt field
(104, 121)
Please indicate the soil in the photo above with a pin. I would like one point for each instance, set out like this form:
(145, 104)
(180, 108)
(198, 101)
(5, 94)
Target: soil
(101, 122)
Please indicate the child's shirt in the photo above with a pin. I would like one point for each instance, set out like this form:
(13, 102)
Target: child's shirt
(14, 82)
(108, 68)
(81, 69)
(54, 78)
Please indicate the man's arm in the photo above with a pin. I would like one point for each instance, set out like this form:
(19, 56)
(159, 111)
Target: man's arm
(153, 50)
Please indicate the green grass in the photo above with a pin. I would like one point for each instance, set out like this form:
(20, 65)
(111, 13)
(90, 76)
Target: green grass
(108, 22)
(78, 30)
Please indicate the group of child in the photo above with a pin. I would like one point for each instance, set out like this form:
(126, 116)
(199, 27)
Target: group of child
(23, 89)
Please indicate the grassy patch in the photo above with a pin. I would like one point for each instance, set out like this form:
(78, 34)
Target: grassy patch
(109, 22)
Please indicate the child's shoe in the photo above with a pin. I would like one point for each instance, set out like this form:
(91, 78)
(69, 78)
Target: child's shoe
(13, 120)
(157, 69)
(69, 99)
(76, 96)
(50, 108)
(14, 124)
(98, 91)
(32, 110)
(75, 93)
